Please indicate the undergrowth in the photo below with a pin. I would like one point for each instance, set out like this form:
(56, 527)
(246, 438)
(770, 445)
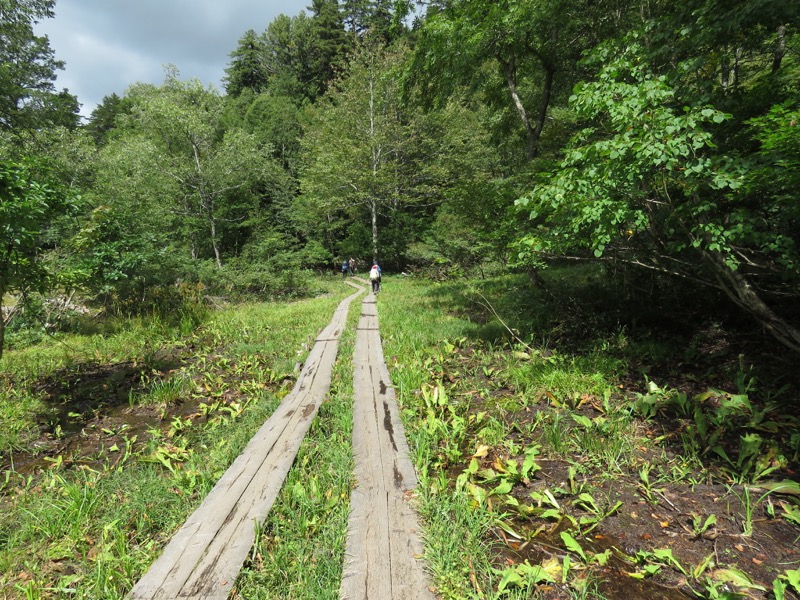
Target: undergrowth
(86, 523)
(562, 468)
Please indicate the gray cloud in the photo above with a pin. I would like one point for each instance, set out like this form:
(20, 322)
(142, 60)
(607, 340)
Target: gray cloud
(110, 44)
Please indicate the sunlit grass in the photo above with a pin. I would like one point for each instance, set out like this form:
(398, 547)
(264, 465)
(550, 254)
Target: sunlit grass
(299, 551)
(91, 532)
(414, 320)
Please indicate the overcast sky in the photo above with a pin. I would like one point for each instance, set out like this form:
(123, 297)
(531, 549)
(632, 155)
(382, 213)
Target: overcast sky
(109, 44)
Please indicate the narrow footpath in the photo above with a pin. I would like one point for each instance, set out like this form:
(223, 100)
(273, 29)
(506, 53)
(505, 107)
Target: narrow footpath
(383, 557)
(384, 551)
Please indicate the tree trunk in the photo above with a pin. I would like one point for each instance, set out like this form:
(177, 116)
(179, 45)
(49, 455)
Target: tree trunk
(532, 130)
(547, 92)
(536, 279)
(2, 327)
(373, 206)
(4, 283)
(2, 318)
(780, 49)
(376, 160)
(510, 69)
(725, 76)
(740, 290)
(214, 242)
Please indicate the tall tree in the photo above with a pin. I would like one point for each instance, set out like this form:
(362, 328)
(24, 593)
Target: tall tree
(353, 144)
(523, 46)
(331, 43)
(289, 50)
(173, 189)
(28, 99)
(381, 19)
(646, 184)
(247, 69)
(103, 119)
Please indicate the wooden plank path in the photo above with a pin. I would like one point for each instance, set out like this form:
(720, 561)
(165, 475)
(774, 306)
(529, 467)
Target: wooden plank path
(205, 556)
(383, 554)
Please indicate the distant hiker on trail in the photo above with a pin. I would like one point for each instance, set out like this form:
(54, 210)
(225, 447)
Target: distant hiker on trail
(375, 278)
(351, 265)
(345, 267)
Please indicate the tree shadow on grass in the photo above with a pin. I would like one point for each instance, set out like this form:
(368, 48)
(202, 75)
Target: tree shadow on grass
(725, 391)
(87, 394)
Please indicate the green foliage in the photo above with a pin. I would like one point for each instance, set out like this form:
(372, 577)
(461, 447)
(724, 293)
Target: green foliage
(172, 188)
(28, 204)
(521, 55)
(27, 69)
(640, 155)
(246, 70)
(354, 149)
(109, 521)
(644, 183)
(103, 120)
(296, 57)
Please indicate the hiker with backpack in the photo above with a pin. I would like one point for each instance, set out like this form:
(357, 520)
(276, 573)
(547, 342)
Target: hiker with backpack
(375, 278)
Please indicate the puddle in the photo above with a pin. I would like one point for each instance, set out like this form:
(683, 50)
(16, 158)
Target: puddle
(89, 412)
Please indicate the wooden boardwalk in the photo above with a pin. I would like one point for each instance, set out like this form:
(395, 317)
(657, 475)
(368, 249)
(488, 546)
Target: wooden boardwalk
(205, 556)
(383, 555)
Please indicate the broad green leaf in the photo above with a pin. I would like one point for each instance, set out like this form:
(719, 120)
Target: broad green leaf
(781, 487)
(504, 487)
(582, 420)
(779, 589)
(572, 544)
(793, 577)
(737, 578)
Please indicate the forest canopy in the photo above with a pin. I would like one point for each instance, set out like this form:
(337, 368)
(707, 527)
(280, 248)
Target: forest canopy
(650, 138)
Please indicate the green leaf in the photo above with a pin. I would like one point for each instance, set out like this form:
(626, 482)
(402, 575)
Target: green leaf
(781, 487)
(737, 578)
(504, 487)
(582, 420)
(572, 544)
(779, 589)
(511, 577)
(793, 577)
(529, 465)
(588, 501)
(665, 555)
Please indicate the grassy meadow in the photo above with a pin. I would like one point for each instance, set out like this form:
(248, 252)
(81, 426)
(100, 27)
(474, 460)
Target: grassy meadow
(159, 412)
(563, 451)
(570, 445)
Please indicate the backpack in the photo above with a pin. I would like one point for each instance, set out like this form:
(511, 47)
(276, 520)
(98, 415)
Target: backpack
(374, 273)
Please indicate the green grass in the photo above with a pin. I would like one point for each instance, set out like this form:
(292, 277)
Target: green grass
(299, 550)
(92, 531)
(415, 319)
(517, 419)
(485, 372)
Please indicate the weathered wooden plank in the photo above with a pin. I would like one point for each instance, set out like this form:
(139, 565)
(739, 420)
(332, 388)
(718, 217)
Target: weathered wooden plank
(204, 557)
(383, 552)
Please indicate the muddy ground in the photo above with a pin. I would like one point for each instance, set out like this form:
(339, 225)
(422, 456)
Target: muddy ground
(700, 514)
(93, 411)
(90, 418)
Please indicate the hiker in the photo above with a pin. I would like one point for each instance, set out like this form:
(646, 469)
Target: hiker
(351, 265)
(375, 278)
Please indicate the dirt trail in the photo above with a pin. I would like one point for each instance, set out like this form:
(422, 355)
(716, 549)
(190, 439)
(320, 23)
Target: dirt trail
(205, 556)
